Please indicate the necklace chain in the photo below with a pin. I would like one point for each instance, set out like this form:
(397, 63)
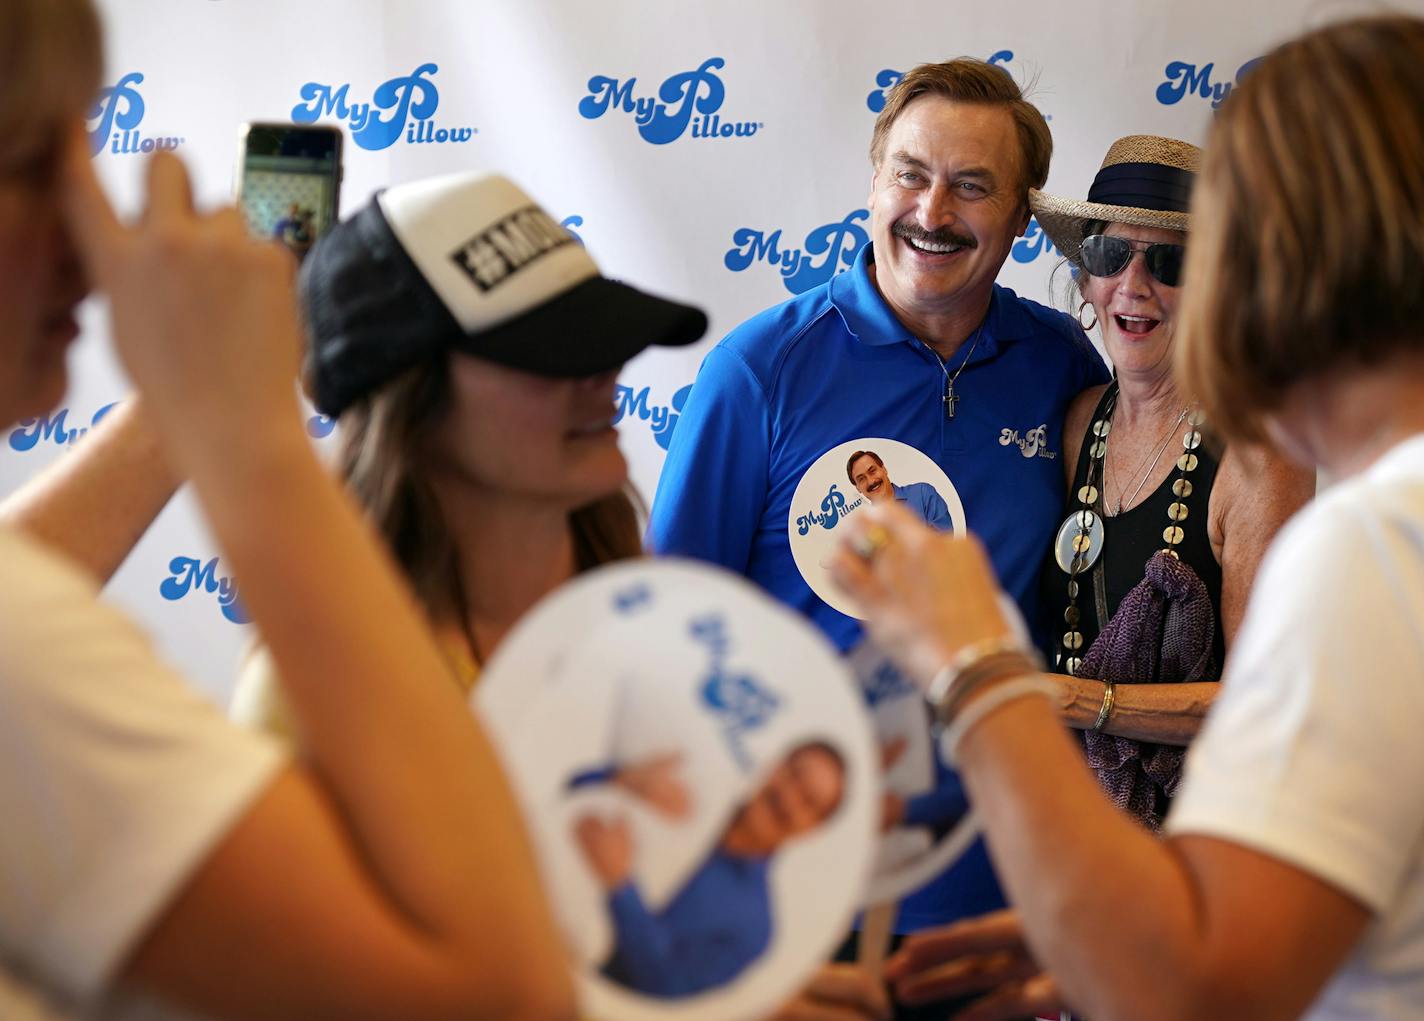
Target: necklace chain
(1161, 448)
(950, 397)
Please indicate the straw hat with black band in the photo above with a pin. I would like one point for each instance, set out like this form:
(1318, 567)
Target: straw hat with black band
(1145, 180)
(468, 263)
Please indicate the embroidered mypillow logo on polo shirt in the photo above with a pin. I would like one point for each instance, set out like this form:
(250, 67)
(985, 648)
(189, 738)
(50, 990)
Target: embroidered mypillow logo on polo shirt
(1033, 443)
(496, 254)
(113, 121)
(1189, 79)
(742, 703)
(888, 78)
(409, 102)
(690, 100)
(827, 250)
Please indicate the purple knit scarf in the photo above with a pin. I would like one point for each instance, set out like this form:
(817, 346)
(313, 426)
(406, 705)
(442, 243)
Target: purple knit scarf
(1162, 632)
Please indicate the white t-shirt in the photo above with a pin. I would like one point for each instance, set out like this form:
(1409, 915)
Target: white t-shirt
(1314, 751)
(116, 781)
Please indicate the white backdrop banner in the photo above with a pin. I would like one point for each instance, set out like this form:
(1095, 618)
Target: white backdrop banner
(715, 152)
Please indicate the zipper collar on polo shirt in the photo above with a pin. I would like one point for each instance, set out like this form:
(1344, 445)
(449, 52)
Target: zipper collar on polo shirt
(870, 320)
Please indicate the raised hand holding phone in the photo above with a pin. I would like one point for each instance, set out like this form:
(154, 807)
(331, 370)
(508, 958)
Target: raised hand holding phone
(195, 301)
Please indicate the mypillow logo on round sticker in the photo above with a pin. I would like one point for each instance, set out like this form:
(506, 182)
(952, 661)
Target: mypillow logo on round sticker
(850, 477)
(701, 783)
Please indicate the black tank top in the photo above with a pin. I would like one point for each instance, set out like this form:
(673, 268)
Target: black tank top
(1130, 539)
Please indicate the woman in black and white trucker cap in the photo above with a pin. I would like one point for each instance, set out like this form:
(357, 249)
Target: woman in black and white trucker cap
(468, 346)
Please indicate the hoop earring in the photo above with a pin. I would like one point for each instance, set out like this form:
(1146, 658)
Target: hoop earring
(1087, 326)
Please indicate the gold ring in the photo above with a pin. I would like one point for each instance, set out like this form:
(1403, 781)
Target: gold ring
(875, 539)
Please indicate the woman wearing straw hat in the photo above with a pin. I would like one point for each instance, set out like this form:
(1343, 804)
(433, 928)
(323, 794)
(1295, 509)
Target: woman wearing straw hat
(1150, 569)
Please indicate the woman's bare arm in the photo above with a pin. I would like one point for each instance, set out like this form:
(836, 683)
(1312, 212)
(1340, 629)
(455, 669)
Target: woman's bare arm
(95, 503)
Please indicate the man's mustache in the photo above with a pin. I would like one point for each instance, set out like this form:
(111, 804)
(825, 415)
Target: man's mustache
(908, 230)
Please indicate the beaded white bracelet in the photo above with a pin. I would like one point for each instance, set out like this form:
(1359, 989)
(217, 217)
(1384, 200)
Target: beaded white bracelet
(996, 697)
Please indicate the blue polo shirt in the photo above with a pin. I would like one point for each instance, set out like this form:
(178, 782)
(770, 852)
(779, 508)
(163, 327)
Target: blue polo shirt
(832, 365)
(921, 500)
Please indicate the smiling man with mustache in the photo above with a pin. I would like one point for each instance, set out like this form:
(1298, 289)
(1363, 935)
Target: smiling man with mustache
(913, 343)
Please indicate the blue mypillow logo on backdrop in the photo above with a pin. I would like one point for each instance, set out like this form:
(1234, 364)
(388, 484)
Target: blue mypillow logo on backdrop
(888, 78)
(661, 418)
(409, 104)
(1186, 79)
(690, 102)
(569, 223)
(828, 250)
(114, 119)
(53, 429)
(192, 575)
(1033, 244)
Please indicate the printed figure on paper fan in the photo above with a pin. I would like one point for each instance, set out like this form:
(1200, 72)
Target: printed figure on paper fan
(721, 918)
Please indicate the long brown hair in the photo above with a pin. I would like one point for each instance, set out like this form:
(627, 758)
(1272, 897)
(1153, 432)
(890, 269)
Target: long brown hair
(381, 454)
(1307, 250)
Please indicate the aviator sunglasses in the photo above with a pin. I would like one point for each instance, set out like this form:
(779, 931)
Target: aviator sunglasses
(1105, 255)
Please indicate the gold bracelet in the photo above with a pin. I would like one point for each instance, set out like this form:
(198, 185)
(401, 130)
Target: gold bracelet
(1109, 696)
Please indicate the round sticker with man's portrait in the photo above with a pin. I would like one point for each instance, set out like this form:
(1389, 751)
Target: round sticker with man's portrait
(850, 477)
(926, 821)
(701, 782)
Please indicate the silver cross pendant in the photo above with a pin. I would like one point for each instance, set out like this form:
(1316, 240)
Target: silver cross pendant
(950, 399)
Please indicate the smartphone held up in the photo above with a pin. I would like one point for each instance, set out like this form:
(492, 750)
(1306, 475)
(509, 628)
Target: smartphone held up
(289, 182)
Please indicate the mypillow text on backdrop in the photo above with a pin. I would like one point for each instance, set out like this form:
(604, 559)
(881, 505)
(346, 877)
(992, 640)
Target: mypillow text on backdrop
(403, 106)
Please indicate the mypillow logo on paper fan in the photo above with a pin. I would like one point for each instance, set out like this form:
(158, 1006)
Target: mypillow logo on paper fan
(690, 101)
(1033, 244)
(741, 702)
(192, 575)
(115, 117)
(54, 429)
(889, 78)
(1185, 79)
(407, 103)
(634, 406)
(827, 250)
